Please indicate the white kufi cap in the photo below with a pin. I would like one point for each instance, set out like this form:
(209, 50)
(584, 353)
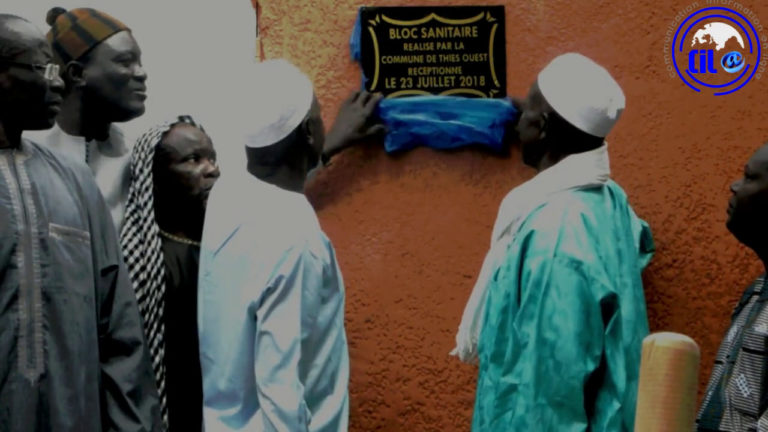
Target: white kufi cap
(279, 98)
(583, 93)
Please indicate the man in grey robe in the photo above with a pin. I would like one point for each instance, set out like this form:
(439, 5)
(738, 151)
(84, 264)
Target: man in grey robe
(72, 345)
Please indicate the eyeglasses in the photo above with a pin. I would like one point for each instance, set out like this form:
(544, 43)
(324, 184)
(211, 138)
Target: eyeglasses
(50, 71)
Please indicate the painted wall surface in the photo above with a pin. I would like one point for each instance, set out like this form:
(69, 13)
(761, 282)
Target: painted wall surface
(411, 230)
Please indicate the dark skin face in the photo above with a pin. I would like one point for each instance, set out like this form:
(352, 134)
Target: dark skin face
(112, 78)
(748, 206)
(28, 101)
(531, 126)
(185, 168)
(545, 137)
(287, 163)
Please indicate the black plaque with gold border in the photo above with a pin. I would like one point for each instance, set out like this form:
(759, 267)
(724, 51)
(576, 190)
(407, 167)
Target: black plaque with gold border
(443, 50)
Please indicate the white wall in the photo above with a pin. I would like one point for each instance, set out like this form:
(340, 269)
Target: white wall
(192, 49)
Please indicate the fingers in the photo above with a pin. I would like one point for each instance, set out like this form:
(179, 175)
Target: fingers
(365, 96)
(376, 130)
(372, 103)
(353, 97)
(365, 100)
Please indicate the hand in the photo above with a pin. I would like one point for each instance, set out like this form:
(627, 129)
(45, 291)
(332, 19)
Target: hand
(354, 123)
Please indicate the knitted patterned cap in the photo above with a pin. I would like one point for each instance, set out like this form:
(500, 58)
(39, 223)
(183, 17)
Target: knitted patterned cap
(74, 33)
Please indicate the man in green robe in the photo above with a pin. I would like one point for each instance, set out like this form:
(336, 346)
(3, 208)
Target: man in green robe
(557, 318)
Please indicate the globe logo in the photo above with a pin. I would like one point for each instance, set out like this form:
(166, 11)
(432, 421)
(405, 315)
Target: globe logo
(716, 50)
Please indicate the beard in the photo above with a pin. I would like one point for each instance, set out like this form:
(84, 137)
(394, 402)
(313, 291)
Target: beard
(97, 106)
(312, 158)
(533, 152)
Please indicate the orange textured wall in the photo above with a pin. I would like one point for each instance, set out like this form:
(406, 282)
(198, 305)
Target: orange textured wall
(411, 230)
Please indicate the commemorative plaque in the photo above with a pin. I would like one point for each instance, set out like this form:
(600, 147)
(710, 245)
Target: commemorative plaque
(447, 50)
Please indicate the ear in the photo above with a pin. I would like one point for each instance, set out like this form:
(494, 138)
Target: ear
(306, 129)
(74, 74)
(543, 125)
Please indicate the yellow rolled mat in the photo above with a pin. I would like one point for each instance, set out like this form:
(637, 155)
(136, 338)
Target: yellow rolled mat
(666, 396)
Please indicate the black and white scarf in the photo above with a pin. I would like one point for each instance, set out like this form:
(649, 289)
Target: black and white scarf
(142, 249)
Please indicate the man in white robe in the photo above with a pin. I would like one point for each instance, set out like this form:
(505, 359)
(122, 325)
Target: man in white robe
(273, 348)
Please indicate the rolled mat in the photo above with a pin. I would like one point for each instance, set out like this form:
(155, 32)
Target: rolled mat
(666, 396)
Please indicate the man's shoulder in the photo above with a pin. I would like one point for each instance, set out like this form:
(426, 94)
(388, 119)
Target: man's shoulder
(749, 291)
(288, 223)
(258, 213)
(55, 142)
(59, 159)
(582, 205)
(569, 222)
(563, 209)
(75, 175)
(40, 137)
(52, 138)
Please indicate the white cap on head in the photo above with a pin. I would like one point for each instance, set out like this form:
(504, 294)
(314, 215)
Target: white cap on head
(583, 93)
(278, 100)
